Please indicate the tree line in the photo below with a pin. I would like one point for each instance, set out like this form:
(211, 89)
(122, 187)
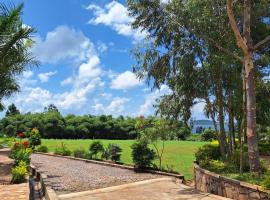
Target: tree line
(52, 124)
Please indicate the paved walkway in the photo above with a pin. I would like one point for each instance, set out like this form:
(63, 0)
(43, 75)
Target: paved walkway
(157, 189)
(10, 192)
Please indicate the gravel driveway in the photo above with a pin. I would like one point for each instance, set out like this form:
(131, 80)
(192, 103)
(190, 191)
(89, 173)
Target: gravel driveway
(66, 175)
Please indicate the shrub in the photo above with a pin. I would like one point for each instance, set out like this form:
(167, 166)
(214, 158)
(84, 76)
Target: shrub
(62, 150)
(43, 149)
(35, 138)
(106, 153)
(19, 173)
(235, 159)
(208, 152)
(183, 133)
(213, 165)
(142, 155)
(95, 148)
(208, 135)
(79, 153)
(266, 182)
(21, 154)
(115, 152)
(264, 149)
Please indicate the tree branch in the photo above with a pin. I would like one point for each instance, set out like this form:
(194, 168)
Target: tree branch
(239, 39)
(262, 42)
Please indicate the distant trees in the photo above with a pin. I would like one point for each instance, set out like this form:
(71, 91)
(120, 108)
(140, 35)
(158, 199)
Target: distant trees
(12, 110)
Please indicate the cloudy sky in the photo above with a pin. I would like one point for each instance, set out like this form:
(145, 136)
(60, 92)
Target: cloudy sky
(84, 50)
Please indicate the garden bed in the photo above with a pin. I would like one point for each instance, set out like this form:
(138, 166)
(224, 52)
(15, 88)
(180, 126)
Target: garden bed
(67, 174)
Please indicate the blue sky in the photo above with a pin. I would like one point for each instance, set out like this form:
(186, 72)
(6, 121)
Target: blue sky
(85, 60)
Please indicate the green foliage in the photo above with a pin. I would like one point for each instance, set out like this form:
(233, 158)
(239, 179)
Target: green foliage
(79, 153)
(142, 155)
(12, 110)
(208, 152)
(194, 137)
(235, 159)
(266, 182)
(183, 133)
(115, 152)
(19, 172)
(95, 148)
(62, 150)
(43, 149)
(213, 165)
(208, 135)
(21, 154)
(35, 138)
(264, 148)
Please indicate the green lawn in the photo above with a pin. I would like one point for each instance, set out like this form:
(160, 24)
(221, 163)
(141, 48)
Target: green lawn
(179, 154)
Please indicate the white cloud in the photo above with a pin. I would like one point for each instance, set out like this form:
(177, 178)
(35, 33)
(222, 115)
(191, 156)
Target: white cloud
(125, 80)
(115, 15)
(62, 43)
(66, 81)
(27, 74)
(197, 111)
(115, 107)
(44, 77)
(150, 99)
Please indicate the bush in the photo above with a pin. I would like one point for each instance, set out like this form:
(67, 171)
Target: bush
(235, 159)
(208, 152)
(35, 138)
(21, 154)
(264, 149)
(266, 182)
(183, 133)
(62, 150)
(142, 155)
(19, 173)
(95, 148)
(213, 165)
(79, 153)
(208, 135)
(106, 153)
(114, 152)
(43, 149)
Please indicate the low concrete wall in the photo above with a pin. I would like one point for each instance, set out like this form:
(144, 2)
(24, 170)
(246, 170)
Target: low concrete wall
(207, 181)
(37, 186)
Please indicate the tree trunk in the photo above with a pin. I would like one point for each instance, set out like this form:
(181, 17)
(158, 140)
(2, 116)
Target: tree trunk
(223, 141)
(253, 153)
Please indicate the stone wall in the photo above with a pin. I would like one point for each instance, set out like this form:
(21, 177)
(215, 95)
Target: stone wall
(207, 181)
(37, 187)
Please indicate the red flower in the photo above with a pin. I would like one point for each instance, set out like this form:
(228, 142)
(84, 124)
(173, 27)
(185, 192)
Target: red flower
(25, 144)
(20, 135)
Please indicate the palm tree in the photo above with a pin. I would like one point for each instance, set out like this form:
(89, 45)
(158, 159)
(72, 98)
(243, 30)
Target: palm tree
(15, 44)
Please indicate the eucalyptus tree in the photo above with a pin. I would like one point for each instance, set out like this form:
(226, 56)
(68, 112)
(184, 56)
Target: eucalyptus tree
(248, 44)
(186, 34)
(15, 44)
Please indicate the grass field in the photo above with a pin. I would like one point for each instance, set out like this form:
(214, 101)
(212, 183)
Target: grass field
(179, 154)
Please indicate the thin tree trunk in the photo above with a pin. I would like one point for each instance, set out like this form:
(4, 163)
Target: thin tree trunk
(223, 141)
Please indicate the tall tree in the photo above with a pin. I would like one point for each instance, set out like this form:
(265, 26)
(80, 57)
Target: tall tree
(245, 43)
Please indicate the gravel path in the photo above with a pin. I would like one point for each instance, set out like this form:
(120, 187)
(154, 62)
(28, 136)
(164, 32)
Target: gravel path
(66, 175)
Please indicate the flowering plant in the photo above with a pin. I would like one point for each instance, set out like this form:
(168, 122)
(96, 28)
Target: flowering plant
(20, 135)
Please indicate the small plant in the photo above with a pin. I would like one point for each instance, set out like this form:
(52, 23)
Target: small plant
(106, 153)
(35, 138)
(95, 148)
(21, 154)
(19, 173)
(114, 152)
(43, 149)
(142, 155)
(79, 153)
(62, 150)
